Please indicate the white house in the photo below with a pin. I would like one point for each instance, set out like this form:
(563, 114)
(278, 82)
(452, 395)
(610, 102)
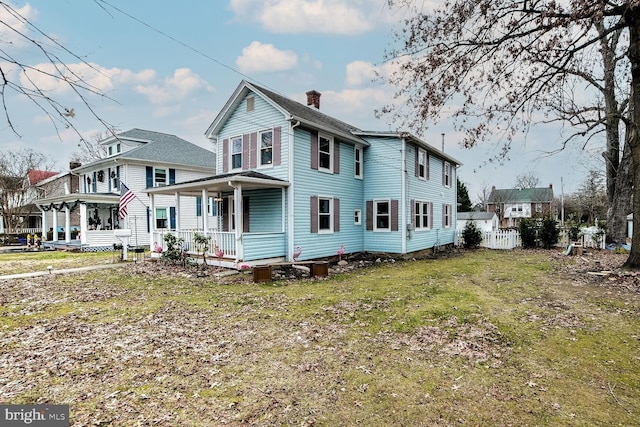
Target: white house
(138, 159)
(485, 221)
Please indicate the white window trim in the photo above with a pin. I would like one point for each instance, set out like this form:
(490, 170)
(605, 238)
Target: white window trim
(358, 160)
(155, 217)
(429, 206)
(330, 230)
(447, 174)
(166, 177)
(448, 213)
(425, 165)
(231, 152)
(331, 153)
(375, 216)
(357, 217)
(259, 154)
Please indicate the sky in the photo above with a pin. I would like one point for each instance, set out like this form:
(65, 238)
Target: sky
(170, 67)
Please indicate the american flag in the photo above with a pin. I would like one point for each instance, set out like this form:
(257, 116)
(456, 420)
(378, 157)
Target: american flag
(126, 196)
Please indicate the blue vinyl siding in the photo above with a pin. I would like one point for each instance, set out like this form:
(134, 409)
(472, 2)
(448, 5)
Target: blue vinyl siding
(265, 210)
(343, 186)
(263, 117)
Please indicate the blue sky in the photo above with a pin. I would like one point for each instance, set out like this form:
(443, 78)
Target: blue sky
(173, 65)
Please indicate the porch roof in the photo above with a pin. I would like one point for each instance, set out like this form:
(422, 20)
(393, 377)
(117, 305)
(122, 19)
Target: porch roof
(249, 180)
(101, 198)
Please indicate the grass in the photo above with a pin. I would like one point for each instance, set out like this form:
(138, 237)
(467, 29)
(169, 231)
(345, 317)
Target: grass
(31, 261)
(487, 338)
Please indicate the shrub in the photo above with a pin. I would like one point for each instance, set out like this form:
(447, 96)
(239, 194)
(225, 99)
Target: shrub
(549, 232)
(528, 232)
(202, 243)
(471, 235)
(173, 251)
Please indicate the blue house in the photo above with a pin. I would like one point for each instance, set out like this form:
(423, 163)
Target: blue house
(290, 178)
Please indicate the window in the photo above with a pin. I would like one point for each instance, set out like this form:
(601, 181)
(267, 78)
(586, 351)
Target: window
(422, 212)
(325, 215)
(422, 164)
(357, 154)
(357, 217)
(382, 215)
(160, 177)
(446, 216)
(251, 102)
(161, 218)
(325, 151)
(118, 148)
(110, 150)
(236, 153)
(266, 148)
(446, 179)
(538, 207)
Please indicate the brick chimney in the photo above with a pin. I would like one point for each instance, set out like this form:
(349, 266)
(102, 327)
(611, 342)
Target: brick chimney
(313, 99)
(74, 164)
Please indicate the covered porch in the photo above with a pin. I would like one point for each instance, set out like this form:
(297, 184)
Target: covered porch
(243, 218)
(83, 221)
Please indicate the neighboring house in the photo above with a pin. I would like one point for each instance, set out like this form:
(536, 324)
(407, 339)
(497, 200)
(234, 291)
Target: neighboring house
(138, 159)
(18, 197)
(512, 204)
(291, 176)
(58, 185)
(485, 221)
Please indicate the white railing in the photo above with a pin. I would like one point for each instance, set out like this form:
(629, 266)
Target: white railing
(218, 240)
(509, 239)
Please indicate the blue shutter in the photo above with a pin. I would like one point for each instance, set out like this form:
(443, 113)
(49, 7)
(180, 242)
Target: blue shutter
(149, 176)
(109, 178)
(198, 206)
(148, 219)
(172, 176)
(172, 217)
(94, 183)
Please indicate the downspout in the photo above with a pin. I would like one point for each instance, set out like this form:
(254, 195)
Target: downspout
(403, 197)
(237, 204)
(291, 192)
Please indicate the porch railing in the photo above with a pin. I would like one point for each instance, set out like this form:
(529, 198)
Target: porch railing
(221, 240)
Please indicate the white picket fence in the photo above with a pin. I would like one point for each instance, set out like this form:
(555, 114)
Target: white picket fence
(509, 239)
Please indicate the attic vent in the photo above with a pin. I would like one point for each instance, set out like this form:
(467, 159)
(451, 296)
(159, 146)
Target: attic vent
(250, 103)
(313, 98)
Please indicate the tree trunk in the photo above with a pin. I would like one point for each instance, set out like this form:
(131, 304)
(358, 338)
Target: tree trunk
(632, 17)
(622, 203)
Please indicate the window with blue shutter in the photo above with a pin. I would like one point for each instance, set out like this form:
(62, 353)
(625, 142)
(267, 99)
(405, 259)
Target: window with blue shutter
(149, 176)
(172, 217)
(198, 206)
(172, 176)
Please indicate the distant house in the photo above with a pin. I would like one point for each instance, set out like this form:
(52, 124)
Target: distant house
(512, 204)
(485, 221)
(21, 193)
(138, 159)
(292, 177)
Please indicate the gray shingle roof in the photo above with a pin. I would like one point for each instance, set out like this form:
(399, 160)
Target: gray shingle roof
(162, 147)
(480, 216)
(525, 195)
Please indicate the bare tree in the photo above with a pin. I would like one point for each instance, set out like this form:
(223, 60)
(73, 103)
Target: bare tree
(591, 196)
(527, 180)
(16, 192)
(92, 150)
(20, 77)
(505, 65)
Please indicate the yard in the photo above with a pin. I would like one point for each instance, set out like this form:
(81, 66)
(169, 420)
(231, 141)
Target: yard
(477, 338)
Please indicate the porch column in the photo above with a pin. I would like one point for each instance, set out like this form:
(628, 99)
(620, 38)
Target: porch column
(237, 204)
(67, 224)
(152, 220)
(55, 224)
(178, 227)
(44, 223)
(205, 213)
(83, 223)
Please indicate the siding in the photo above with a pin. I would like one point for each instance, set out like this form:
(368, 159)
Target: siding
(343, 186)
(243, 122)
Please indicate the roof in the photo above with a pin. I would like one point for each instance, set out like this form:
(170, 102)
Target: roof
(36, 175)
(524, 195)
(250, 180)
(476, 216)
(159, 147)
(295, 111)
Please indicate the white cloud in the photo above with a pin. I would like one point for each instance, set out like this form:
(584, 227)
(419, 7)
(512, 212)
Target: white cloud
(314, 16)
(259, 57)
(14, 19)
(182, 84)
